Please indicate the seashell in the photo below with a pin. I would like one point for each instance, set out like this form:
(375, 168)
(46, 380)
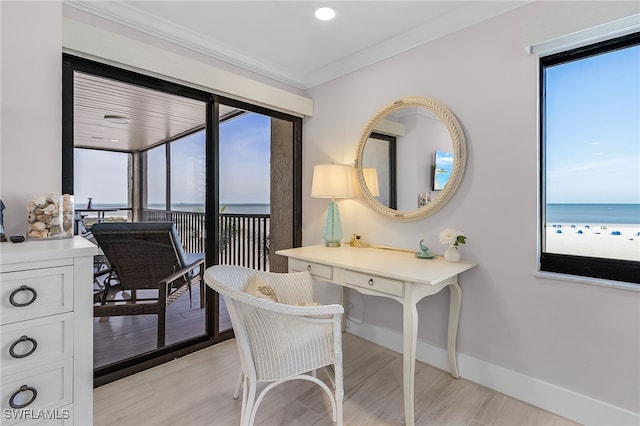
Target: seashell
(55, 221)
(37, 234)
(31, 217)
(40, 201)
(67, 224)
(54, 230)
(51, 209)
(44, 218)
(37, 226)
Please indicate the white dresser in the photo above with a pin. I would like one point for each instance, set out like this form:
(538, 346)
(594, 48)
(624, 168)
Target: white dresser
(46, 337)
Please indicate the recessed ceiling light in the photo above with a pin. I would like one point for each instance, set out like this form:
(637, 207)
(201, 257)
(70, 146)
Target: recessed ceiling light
(325, 14)
(117, 119)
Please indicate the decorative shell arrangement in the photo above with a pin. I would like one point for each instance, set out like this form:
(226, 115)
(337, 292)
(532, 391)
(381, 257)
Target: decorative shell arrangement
(50, 216)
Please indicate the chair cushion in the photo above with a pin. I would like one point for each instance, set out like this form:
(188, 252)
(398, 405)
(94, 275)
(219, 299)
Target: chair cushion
(260, 288)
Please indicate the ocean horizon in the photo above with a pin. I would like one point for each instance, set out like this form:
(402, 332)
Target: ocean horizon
(234, 208)
(584, 213)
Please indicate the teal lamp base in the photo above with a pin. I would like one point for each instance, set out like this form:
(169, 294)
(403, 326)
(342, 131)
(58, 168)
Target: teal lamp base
(332, 233)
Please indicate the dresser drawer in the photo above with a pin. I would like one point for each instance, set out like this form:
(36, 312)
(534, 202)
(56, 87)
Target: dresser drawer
(36, 342)
(53, 384)
(317, 270)
(35, 293)
(375, 283)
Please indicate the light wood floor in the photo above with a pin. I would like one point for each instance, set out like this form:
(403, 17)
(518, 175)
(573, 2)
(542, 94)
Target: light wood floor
(197, 390)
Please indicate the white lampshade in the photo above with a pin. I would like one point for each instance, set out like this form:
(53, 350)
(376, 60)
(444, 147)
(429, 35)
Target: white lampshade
(371, 179)
(331, 181)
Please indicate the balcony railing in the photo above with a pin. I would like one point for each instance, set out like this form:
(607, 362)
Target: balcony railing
(243, 238)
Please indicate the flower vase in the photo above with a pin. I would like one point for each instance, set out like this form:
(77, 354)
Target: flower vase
(452, 254)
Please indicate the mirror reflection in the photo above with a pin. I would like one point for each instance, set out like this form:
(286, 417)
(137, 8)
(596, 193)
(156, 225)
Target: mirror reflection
(411, 151)
(411, 158)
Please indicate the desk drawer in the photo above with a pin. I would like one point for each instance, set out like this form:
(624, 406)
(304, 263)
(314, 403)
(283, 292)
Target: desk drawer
(37, 293)
(374, 283)
(317, 270)
(38, 341)
(53, 384)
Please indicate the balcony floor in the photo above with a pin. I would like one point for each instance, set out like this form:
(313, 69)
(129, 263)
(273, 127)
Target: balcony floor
(121, 337)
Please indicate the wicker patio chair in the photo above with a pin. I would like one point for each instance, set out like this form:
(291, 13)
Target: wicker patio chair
(145, 256)
(280, 341)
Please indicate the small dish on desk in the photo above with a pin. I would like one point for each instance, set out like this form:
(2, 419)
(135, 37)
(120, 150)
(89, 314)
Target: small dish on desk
(423, 255)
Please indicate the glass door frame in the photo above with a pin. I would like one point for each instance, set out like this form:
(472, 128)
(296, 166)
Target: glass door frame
(72, 64)
(212, 336)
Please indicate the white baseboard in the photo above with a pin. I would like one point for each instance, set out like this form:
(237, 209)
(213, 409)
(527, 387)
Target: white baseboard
(564, 402)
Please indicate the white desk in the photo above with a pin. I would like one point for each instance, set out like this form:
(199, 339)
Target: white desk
(398, 275)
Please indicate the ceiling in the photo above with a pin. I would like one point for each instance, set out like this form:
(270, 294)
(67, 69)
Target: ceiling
(281, 40)
(152, 117)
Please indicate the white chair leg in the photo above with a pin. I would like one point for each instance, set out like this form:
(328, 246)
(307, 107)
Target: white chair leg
(249, 397)
(339, 392)
(236, 392)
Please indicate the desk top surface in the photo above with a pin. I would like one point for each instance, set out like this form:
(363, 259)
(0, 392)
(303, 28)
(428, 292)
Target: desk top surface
(397, 264)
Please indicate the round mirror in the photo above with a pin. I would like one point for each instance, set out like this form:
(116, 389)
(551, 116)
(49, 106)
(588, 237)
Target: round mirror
(411, 158)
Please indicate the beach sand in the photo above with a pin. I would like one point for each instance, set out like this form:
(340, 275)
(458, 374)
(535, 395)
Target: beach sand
(595, 240)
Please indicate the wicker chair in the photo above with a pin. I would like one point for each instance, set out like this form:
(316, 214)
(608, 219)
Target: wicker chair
(280, 341)
(145, 256)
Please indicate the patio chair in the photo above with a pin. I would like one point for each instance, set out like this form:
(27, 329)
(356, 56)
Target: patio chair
(145, 256)
(279, 340)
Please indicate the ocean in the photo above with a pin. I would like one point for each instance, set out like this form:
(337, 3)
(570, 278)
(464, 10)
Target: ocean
(593, 213)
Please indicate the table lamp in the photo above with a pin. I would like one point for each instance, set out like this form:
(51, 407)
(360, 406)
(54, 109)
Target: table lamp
(371, 179)
(332, 181)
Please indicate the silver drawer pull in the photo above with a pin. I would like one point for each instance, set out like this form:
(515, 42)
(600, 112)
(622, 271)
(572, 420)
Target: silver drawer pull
(31, 340)
(308, 267)
(370, 281)
(34, 296)
(23, 388)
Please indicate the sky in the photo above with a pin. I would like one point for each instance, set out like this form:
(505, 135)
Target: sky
(244, 168)
(593, 129)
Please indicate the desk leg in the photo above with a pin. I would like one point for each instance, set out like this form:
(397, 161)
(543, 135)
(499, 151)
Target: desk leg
(343, 302)
(454, 316)
(410, 338)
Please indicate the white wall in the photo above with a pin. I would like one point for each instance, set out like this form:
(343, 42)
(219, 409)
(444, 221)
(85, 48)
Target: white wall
(579, 337)
(31, 123)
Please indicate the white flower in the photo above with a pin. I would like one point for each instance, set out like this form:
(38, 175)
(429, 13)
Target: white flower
(452, 237)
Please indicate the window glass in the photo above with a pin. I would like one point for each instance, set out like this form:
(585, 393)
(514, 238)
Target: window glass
(102, 176)
(188, 173)
(245, 143)
(156, 178)
(591, 159)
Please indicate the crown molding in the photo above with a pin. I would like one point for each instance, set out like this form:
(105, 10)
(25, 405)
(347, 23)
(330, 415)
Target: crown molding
(162, 29)
(131, 17)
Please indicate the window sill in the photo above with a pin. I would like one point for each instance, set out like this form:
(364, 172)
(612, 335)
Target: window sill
(587, 280)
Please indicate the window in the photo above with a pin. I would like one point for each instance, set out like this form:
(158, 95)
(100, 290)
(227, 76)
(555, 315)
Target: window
(590, 160)
(103, 177)
(156, 178)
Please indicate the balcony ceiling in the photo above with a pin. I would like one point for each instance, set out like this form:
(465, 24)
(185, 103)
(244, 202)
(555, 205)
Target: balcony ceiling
(153, 117)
